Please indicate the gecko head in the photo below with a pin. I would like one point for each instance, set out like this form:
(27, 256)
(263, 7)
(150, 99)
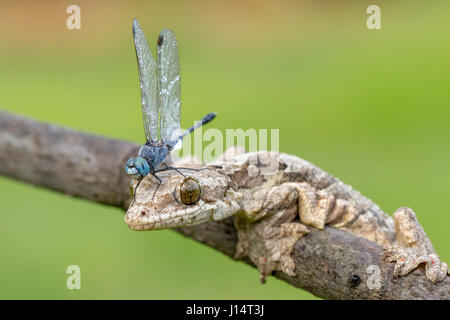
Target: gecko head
(196, 197)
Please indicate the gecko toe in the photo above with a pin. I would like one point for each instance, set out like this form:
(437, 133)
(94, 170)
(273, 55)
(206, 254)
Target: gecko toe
(408, 259)
(435, 270)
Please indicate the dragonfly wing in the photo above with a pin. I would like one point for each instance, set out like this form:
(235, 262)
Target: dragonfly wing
(169, 77)
(148, 82)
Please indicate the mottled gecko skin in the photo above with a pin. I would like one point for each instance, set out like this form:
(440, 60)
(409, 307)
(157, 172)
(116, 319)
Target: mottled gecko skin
(276, 205)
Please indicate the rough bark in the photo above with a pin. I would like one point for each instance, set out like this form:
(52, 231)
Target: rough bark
(328, 262)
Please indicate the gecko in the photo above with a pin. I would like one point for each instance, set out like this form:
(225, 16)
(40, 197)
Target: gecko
(275, 206)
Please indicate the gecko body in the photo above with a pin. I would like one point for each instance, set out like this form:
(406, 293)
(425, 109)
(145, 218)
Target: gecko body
(276, 206)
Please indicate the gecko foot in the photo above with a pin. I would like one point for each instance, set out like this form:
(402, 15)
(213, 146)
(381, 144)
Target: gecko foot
(269, 248)
(408, 259)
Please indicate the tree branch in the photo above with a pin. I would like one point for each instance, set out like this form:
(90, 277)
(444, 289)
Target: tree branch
(92, 167)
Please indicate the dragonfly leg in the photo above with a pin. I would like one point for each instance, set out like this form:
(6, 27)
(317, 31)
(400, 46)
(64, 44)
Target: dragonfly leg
(133, 190)
(167, 168)
(193, 169)
(177, 169)
(200, 169)
(159, 182)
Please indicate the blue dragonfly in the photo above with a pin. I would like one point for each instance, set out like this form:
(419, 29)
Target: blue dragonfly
(160, 99)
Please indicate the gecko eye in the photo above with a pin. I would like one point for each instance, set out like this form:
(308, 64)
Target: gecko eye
(189, 191)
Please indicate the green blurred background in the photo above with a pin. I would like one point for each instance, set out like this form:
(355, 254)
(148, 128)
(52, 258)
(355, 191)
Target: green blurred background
(370, 107)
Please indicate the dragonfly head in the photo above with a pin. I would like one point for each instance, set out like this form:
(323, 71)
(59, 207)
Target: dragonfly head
(137, 167)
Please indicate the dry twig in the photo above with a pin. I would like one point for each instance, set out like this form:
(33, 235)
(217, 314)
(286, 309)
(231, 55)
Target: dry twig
(328, 262)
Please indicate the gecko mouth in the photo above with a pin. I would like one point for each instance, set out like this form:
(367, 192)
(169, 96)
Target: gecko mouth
(161, 221)
(140, 220)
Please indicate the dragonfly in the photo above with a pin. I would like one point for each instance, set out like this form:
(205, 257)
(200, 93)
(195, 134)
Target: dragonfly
(161, 106)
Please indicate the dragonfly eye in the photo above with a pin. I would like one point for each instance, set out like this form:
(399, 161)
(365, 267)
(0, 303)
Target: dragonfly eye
(189, 191)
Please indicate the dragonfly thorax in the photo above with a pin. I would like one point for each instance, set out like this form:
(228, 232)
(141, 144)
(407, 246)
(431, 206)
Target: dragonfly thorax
(154, 154)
